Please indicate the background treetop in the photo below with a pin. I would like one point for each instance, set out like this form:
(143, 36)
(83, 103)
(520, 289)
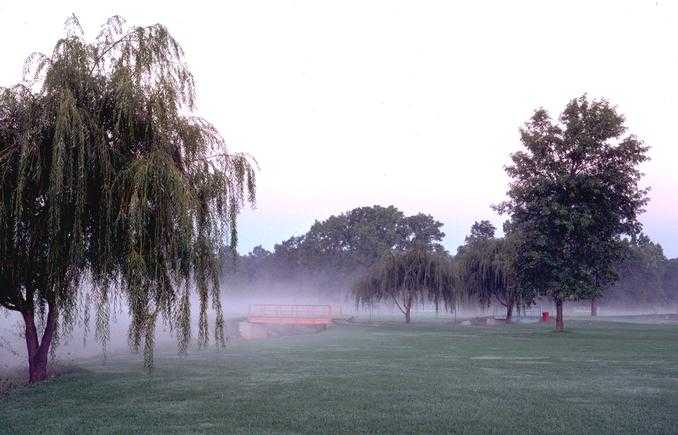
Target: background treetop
(333, 252)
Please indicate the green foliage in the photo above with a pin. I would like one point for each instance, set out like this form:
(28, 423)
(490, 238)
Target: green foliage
(361, 237)
(670, 279)
(421, 231)
(488, 269)
(641, 275)
(327, 259)
(482, 230)
(574, 194)
(107, 176)
(408, 278)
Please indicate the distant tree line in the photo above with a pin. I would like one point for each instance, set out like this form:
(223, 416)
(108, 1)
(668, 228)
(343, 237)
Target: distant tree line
(572, 233)
(488, 268)
(326, 260)
(335, 254)
(646, 276)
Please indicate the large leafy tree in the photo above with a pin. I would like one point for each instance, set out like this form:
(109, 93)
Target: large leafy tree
(574, 194)
(408, 278)
(108, 180)
(360, 237)
(329, 257)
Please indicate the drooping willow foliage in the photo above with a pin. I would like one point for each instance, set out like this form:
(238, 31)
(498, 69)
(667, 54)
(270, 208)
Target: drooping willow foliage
(106, 175)
(485, 271)
(488, 271)
(405, 279)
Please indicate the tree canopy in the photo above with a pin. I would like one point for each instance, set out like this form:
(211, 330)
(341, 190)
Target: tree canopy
(111, 187)
(482, 230)
(574, 194)
(361, 236)
(332, 253)
(488, 269)
(670, 280)
(408, 278)
(641, 274)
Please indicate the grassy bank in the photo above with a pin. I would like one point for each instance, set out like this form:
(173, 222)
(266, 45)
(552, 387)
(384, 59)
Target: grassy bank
(599, 377)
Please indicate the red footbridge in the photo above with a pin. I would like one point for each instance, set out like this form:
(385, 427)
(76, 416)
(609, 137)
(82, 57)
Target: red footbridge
(290, 314)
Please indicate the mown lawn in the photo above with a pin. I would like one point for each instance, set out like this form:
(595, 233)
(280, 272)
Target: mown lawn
(599, 377)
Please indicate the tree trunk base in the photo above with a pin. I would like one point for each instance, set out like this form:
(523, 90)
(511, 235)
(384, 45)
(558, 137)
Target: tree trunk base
(38, 350)
(37, 371)
(408, 309)
(509, 314)
(560, 323)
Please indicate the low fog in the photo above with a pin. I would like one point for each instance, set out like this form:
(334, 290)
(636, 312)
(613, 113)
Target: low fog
(72, 348)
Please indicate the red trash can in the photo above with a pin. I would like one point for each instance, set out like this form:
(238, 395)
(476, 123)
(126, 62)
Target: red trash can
(545, 316)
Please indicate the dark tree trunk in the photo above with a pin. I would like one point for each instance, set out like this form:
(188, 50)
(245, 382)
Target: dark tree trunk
(560, 324)
(594, 307)
(408, 309)
(509, 313)
(38, 351)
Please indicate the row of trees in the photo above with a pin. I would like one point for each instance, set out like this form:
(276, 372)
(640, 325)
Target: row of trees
(488, 268)
(572, 229)
(645, 275)
(484, 271)
(573, 202)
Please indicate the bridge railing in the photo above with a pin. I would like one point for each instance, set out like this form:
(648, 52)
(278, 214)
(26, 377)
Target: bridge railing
(290, 314)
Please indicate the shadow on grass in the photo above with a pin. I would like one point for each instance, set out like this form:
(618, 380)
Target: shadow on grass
(17, 377)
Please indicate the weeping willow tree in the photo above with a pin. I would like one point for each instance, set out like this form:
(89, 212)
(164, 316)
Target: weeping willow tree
(488, 271)
(111, 189)
(405, 279)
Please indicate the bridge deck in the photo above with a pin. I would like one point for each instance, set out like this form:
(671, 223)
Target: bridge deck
(290, 314)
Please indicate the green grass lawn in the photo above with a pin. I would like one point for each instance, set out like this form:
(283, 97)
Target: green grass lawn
(600, 377)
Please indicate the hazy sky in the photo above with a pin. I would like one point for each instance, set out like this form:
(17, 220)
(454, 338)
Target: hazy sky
(410, 103)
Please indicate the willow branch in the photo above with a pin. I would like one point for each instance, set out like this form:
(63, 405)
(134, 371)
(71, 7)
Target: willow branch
(110, 47)
(397, 304)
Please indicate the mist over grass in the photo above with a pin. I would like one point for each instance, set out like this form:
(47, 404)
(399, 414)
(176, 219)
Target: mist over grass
(429, 376)
(80, 345)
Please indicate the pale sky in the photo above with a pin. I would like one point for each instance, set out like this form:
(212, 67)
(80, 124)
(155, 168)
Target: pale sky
(411, 103)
